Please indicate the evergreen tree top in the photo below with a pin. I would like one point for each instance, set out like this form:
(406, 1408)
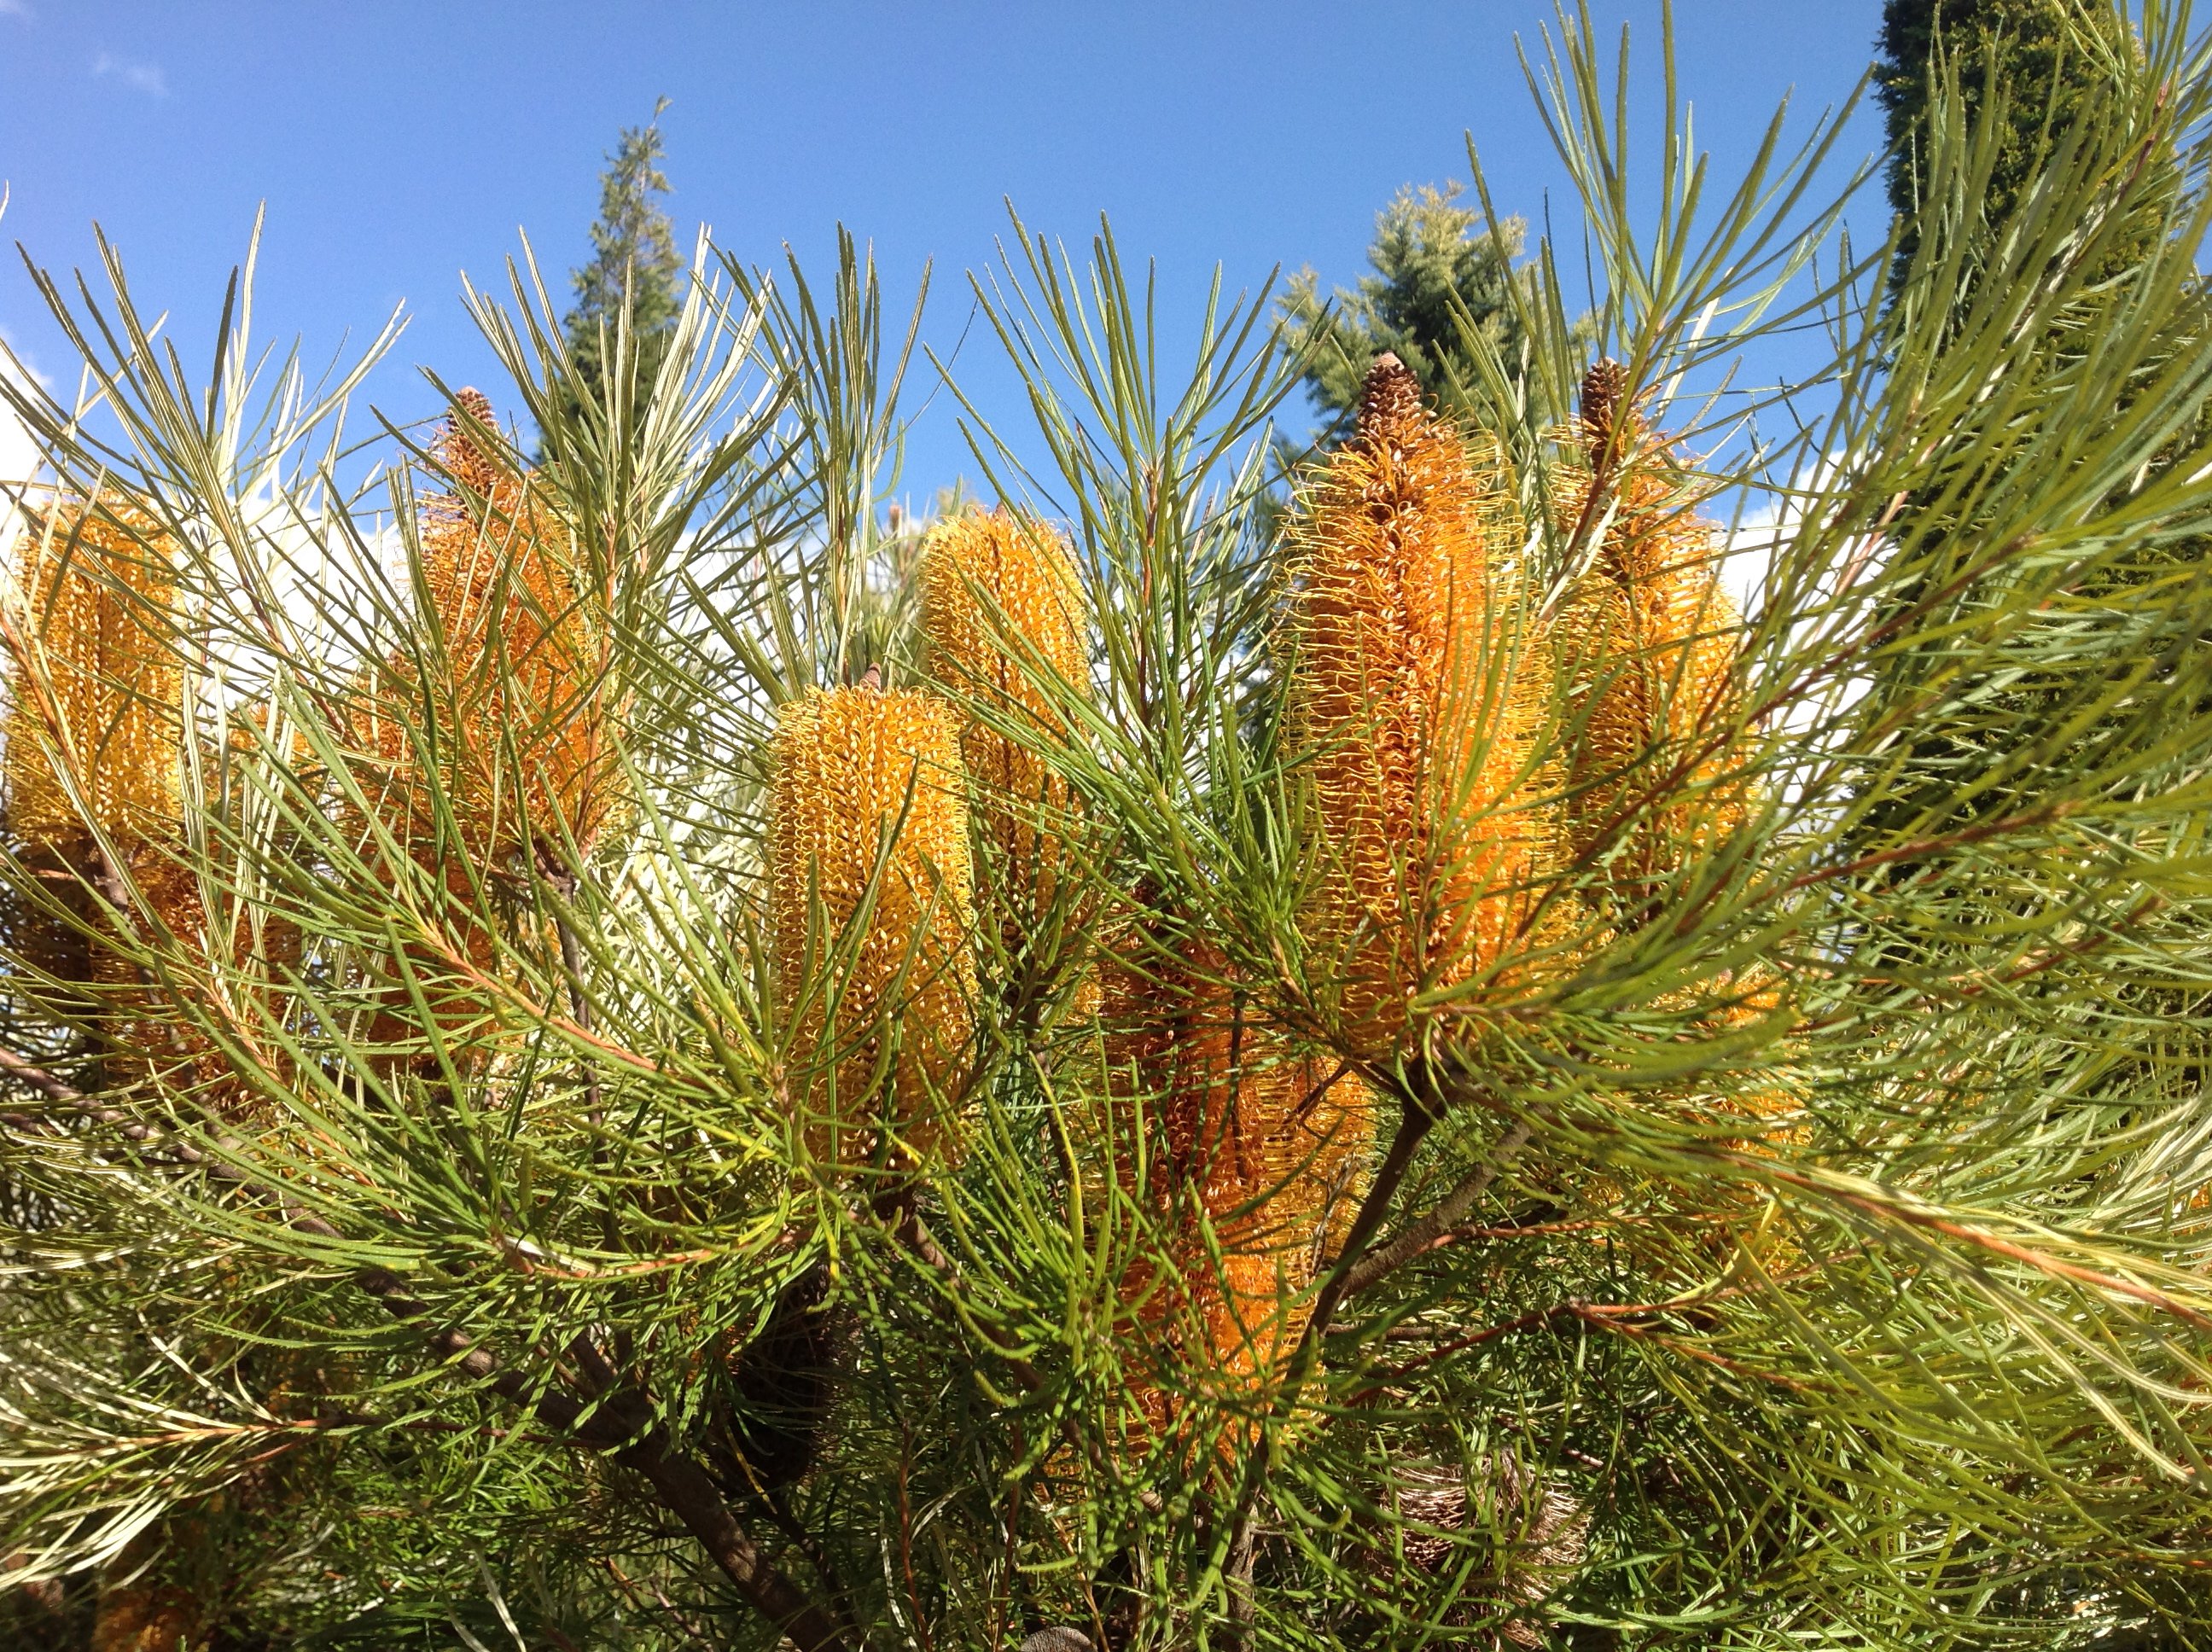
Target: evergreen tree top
(2048, 60)
(1429, 254)
(633, 242)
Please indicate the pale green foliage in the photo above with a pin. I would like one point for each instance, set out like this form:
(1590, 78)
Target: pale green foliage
(1934, 1350)
(1438, 267)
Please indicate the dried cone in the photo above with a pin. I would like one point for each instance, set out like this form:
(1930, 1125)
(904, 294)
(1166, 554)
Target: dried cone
(1540, 1534)
(1264, 1151)
(1003, 613)
(865, 789)
(1418, 724)
(143, 1616)
(1647, 644)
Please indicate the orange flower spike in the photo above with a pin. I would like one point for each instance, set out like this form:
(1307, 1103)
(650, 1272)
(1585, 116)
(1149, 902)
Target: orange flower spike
(1269, 1152)
(97, 683)
(1406, 697)
(91, 602)
(1648, 642)
(528, 656)
(865, 791)
(1003, 611)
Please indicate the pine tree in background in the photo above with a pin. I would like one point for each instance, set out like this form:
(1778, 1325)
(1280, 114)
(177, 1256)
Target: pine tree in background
(633, 262)
(1434, 259)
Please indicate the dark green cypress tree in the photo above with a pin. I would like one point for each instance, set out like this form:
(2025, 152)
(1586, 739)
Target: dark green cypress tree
(2046, 59)
(2038, 69)
(634, 261)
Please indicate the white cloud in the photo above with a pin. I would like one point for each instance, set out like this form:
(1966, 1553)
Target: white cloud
(145, 77)
(15, 9)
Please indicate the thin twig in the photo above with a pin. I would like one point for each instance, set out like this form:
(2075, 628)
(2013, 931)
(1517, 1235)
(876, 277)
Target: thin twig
(1449, 1213)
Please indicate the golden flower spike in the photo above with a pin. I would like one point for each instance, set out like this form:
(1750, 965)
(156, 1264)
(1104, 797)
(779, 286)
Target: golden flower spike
(518, 692)
(96, 678)
(95, 790)
(1647, 642)
(1003, 611)
(527, 651)
(867, 823)
(1257, 1163)
(1417, 717)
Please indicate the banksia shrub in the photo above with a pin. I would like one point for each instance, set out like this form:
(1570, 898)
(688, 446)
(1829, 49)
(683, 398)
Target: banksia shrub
(1255, 1163)
(1003, 614)
(871, 904)
(1413, 707)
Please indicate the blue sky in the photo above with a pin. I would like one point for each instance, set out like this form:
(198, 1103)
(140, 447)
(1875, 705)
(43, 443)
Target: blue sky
(397, 143)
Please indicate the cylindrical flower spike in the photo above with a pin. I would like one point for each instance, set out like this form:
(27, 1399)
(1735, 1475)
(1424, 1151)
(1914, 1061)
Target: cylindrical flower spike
(1415, 711)
(524, 640)
(95, 793)
(1647, 644)
(513, 679)
(1256, 1161)
(1003, 612)
(871, 906)
(97, 680)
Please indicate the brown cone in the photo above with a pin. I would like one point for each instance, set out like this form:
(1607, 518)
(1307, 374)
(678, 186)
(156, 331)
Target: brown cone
(1390, 399)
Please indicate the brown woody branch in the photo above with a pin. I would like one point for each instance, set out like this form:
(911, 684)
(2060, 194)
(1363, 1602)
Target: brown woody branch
(1447, 1213)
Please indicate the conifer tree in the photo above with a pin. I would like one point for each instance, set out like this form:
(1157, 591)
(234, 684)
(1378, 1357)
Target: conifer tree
(1437, 268)
(2032, 66)
(634, 275)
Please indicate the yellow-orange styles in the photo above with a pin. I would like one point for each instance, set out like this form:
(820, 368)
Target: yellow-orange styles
(1416, 727)
(519, 679)
(868, 826)
(504, 718)
(1257, 1159)
(1002, 609)
(1647, 643)
(95, 676)
(97, 691)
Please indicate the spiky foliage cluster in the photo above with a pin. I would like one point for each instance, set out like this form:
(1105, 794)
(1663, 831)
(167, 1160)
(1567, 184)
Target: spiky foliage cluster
(1104, 1070)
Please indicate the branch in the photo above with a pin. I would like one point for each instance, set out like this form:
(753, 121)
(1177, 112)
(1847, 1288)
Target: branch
(60, 1089)
(1447, 1214)
(1416, 1118)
